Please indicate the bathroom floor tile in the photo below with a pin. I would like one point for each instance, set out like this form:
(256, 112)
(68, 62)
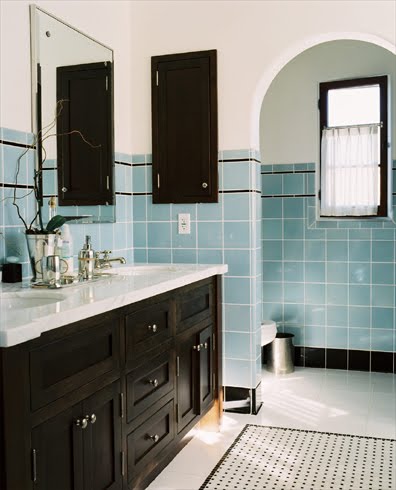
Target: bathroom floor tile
(343, 402)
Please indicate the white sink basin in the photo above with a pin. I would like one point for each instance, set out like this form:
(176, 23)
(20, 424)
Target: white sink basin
(22, 300)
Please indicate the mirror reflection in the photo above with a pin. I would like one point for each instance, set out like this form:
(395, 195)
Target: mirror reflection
(72, 80)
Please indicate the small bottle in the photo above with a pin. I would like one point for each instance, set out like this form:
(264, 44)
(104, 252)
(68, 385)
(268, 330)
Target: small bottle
(67, 250)
(52, 207)
(86, 260)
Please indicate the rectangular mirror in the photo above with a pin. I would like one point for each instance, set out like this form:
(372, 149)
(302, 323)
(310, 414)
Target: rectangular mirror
(72, 112)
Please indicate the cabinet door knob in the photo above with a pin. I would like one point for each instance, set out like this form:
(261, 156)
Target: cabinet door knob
(91, 418)
(206, 345)
(152, 328)
(204, 185)
(82, 423)
(154, 382)
(64, 189)
(197, 347)
(154, 438)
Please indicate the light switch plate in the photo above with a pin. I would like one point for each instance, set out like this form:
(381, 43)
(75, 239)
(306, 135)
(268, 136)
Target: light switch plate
(184, 224)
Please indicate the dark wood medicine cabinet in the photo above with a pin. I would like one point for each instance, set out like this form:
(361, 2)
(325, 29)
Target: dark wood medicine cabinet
(184, 127)
(85, 161)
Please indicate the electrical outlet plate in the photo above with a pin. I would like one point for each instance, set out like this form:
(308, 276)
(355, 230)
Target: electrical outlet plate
(184, 224)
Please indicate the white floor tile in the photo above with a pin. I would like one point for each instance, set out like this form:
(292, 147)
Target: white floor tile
(315, 399)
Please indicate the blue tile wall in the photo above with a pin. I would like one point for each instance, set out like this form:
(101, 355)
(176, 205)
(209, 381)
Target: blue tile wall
(330, 283)
(117, 236)
(223, 232)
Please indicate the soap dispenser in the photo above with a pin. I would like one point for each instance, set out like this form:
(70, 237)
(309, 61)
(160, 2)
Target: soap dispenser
(86, 260)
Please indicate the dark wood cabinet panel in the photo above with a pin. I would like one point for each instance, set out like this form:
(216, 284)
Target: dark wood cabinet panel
(184, 127)
(85, 159)
(186, 373)
(193, 306)
(102, 440)
(205, 385)
(149, 439)
(59, 367)
(57, 452)
(107, 402)
(148, 328)
(149, 382)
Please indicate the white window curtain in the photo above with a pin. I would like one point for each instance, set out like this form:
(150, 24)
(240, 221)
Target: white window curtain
(350, 171)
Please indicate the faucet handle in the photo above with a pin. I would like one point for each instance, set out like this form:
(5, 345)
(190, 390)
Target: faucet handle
(106, 254)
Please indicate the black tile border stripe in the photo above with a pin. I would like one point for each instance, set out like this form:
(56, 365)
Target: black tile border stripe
(19, 145)
(267, 196)
(16, 186)
(289, 172)
(240, 191)
(237, 160)
(346, 359)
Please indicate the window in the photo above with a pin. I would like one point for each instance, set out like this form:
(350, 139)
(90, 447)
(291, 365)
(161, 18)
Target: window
(354, 148)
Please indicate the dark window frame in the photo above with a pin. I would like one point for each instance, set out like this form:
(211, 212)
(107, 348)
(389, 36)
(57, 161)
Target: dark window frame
(382, 81)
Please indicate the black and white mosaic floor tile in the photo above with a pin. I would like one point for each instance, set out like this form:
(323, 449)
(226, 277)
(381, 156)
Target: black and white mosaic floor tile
(272, 458)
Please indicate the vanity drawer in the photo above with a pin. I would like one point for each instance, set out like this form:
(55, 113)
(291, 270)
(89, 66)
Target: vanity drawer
(64, 365)
(149, 439)
(148, 328)
(194, 306)
(149, 382)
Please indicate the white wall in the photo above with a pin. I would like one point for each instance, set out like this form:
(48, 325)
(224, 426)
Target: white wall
(253, 38)
(289, 121)
(107, 21)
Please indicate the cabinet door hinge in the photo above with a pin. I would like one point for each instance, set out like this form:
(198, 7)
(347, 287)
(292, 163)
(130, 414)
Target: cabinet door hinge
(158, 181)
(122, 463)
(34, 465)
(177, 366)
(122, 405)
(157, 78)
(214, 341)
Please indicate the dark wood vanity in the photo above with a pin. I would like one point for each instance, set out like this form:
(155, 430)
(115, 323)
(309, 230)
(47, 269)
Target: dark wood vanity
(107, 402)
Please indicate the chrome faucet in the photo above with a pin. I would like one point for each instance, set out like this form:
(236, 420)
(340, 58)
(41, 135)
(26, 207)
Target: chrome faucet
(105, 262)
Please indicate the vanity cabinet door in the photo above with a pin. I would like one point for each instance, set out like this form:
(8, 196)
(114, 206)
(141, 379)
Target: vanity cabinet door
(205, 385)
(186, 367)
(57, 452)
(80, 449)
(102, 440)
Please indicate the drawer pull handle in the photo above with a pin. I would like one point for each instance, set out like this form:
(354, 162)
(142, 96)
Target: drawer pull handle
(198, 347)
(206, 345)
(91, 418)
(154, 382)
(152, 328)
(154, 438)
(82, 423)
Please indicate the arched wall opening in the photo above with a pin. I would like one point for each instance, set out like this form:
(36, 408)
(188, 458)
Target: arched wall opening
(330, 284)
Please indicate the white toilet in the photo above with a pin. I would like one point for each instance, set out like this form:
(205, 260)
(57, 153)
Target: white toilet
(268, 332)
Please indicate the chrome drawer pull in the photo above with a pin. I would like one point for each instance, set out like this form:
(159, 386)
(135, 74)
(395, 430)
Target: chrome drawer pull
(152, 328)
(154, 438)
(198, 347)
(82, 423)
(206, 345)
(91, 418)
(154, 382)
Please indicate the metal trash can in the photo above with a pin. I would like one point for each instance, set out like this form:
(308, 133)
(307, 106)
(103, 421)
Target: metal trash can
(281, 354)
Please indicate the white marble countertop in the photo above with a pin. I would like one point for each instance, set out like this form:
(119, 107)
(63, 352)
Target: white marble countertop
(25, 314)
